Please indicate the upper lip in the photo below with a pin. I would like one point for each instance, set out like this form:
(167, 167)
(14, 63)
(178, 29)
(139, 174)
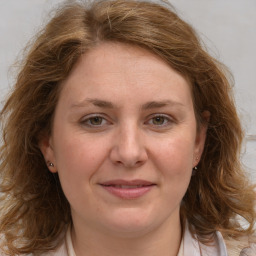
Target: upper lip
(127, 183)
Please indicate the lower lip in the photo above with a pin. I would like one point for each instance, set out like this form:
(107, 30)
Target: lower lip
(128, 193)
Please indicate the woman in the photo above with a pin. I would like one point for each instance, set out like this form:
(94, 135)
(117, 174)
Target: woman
(121, 137)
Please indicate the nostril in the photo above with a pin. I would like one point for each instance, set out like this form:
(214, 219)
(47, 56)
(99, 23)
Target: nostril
(129, 164)
(128, 155)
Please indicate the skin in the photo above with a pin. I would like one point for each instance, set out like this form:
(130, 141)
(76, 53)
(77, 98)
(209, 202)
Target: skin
(105, 128)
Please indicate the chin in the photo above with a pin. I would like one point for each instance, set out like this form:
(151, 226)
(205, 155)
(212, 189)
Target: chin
(131, 223)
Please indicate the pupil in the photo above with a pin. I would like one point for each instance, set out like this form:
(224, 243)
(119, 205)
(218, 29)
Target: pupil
(158, 120)
(96, 120)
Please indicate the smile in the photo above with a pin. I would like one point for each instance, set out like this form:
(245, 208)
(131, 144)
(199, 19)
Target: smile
(128, 189)
(125, 186)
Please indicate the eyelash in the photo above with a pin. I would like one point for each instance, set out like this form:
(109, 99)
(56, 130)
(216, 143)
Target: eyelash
(166, 119)
(88, 121)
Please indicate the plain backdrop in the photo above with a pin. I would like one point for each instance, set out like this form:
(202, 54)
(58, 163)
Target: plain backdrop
(228, 27)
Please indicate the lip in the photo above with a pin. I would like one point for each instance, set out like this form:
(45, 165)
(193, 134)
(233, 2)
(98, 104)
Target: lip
(126, 189)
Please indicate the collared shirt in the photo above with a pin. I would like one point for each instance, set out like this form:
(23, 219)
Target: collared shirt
(189, 246)
(192, 247)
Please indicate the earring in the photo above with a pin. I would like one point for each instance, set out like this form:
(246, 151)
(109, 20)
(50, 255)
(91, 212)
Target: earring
(194, 171)
(50, 164)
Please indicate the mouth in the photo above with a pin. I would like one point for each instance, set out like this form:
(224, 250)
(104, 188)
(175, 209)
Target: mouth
(128, 189)
(126, 186)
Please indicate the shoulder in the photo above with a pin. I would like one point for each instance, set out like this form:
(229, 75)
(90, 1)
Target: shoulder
(60, 251)
(65, 248)
(244, 246)
(241, 247)
(193, 246)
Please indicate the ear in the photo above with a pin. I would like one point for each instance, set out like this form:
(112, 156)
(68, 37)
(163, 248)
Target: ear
(201, 137)
(45, 145)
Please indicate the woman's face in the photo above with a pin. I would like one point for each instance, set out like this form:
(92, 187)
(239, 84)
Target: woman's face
(124, 140)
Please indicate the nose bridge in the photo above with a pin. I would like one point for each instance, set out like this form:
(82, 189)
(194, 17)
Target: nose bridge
(129, 149)
(129, 139)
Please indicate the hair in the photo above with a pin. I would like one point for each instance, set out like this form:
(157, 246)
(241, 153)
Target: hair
(34, 211)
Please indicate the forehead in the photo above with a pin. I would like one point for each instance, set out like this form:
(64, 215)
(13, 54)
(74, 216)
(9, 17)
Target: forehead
(127, 69)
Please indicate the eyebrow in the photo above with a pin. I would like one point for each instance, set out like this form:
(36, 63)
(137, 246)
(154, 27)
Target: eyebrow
(110, 105)
(160, 104)
(95, 102)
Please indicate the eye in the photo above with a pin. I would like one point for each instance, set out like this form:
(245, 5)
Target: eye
(160, 120)
(94, 121)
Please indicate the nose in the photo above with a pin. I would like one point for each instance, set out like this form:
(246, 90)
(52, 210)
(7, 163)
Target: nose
(128, 148)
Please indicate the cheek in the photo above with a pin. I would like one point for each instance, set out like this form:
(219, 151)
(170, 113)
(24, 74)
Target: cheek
(77, 152)
(175, 164)
(78, 165)
(77, 161)
(176, 155)
(174, 159)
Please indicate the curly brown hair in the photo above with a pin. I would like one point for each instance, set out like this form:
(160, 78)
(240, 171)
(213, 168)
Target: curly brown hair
(34, 211)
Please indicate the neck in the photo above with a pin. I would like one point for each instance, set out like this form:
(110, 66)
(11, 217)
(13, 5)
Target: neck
(163, 240)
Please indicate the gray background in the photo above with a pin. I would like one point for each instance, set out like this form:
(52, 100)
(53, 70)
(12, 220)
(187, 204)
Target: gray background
(228, 27)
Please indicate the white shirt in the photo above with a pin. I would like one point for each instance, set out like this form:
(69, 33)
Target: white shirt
(192, 247)
(189, 246)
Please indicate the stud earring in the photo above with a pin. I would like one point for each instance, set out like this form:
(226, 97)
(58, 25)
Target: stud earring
(194, 171)
(50, 164)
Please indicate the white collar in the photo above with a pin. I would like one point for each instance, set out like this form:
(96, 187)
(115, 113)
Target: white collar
(69, 244)
(192, 247)
(189, 246)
